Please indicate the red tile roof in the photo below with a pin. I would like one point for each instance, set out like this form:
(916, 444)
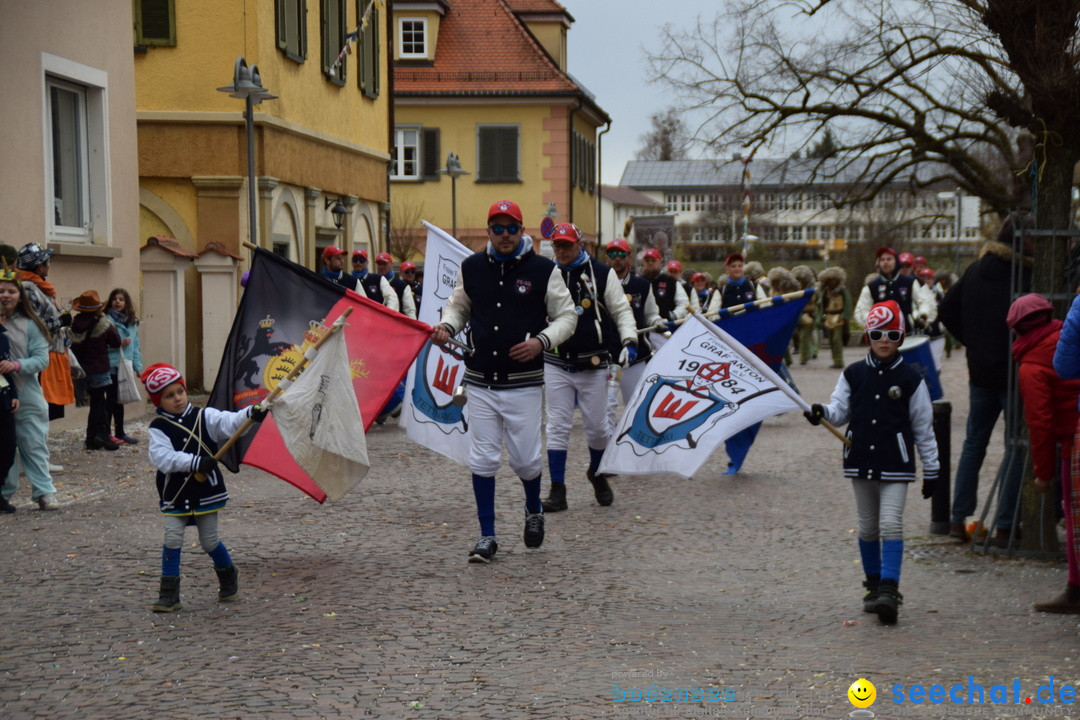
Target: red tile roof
(483, 49)
(538, 6)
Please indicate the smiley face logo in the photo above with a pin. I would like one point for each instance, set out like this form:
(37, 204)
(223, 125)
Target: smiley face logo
(862, 693)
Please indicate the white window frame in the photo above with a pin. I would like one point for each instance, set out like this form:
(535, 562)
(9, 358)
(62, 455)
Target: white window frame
(91, 85)
(401, 38)
(398, 149)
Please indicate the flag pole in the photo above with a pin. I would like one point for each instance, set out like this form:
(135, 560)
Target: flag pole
(281, 386)
(739, 309)
(767, 371)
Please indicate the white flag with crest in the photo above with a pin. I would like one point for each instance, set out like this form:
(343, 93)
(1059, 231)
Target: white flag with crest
(431, 417)
(699, 389)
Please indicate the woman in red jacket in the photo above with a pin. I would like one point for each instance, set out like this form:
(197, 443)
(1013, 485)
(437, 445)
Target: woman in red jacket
(1050, 409)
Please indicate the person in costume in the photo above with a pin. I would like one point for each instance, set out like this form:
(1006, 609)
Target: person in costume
(516, 306)
(92, 334)
(372, 284)
(9, 403)
(576, 371)
(191, 489)
(29, 339)
(121, 312)
(835, 309)
(384, 265)
(886, 406)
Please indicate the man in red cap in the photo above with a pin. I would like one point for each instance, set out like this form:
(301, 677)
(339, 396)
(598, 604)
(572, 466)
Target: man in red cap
(409, 275)
(671, 299)
(516, 306)
(674, 269)
(333, 259)
(372, 284)
(918, 306)
(384, 265)
(639, 293)
(576, 372)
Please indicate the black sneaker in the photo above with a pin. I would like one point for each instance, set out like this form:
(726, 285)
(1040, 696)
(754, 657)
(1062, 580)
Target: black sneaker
(7, 507)
(485, 549)
(888, 602)
(534, 529)
(869, 602)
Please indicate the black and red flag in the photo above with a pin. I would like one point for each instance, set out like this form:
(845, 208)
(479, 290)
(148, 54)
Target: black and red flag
(283, 312)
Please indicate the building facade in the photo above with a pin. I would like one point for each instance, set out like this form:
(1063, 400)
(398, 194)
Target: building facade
(487, 81)
(322, 144)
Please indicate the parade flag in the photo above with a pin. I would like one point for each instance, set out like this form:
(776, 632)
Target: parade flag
(701, 387)
(319, 421)
(277, 321)
(431, 418)
(765, 326)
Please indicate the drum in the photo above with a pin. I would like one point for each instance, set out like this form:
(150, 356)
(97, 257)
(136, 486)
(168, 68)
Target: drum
(917, 353)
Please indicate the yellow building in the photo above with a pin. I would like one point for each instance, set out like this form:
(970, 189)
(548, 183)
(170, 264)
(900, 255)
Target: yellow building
(324, 138)
(67, 140)
(487, 81)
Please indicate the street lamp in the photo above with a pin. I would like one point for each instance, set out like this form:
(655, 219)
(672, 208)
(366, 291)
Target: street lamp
(338, 211)
(453, 169)
(247, 85)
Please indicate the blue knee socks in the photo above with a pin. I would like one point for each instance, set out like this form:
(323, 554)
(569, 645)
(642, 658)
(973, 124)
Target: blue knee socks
(595, 456)
(484, 490)
(557, 465)
(220, 556)
(170, 562)
(871, 557)
(532, 495)
(892, 553)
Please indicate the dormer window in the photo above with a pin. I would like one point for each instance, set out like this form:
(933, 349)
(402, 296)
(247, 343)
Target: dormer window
(412, 38)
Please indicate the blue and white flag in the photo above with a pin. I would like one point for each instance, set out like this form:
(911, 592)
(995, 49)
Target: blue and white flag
(430, 417)
(700, 388)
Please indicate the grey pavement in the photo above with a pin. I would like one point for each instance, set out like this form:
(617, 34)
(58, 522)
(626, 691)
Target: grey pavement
(743, 592)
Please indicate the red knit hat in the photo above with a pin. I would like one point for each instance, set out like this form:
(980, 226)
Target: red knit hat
(885, 316)
(1029, 311)
(159, 376)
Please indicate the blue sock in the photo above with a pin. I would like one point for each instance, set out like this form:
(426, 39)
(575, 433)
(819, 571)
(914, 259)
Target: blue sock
(170, 562)
(595, 456)
(892, 553)
(220, 555)
(557, 465)
(532, 495)
(871, 556)
(484, 490)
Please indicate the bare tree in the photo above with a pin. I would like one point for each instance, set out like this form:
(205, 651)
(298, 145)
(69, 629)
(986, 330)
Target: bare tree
(919, 90)
(406, 232)
(668, 138)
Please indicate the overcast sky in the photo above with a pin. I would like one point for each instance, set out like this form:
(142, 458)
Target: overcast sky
(607, 45)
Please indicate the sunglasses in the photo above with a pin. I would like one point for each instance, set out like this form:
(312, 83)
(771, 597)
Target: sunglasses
(616, 253)
(500, 229)
(359, 259)
(890, 335)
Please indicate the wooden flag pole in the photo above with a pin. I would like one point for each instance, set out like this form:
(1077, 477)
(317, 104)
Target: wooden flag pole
(277, 391)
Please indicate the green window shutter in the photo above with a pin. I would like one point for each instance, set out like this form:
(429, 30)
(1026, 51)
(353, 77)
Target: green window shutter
(155, 22)
(429, 154)
(291, 28)
(367, 51)
(592, 167)
(498, 155)
(333, 39)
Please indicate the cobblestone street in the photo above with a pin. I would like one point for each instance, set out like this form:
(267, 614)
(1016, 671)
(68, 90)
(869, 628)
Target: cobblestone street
(747, 587)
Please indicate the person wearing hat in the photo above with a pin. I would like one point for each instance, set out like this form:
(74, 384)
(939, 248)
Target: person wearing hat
(675, 270)
(1051, 413)
(372, 284)
(735, 287)
(92, 334)
(191, 488)
(576, 371)
(886, 406)
(708, 297)
(34, 263)
(384, 265)
(639, 293)
(670, 297)
(408, 273)
(516, 306)
(333, 259)
(835, 308)
(917, 305)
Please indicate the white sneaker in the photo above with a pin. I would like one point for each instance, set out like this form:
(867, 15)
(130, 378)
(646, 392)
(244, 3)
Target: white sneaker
(48, 502)
(54, 469)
